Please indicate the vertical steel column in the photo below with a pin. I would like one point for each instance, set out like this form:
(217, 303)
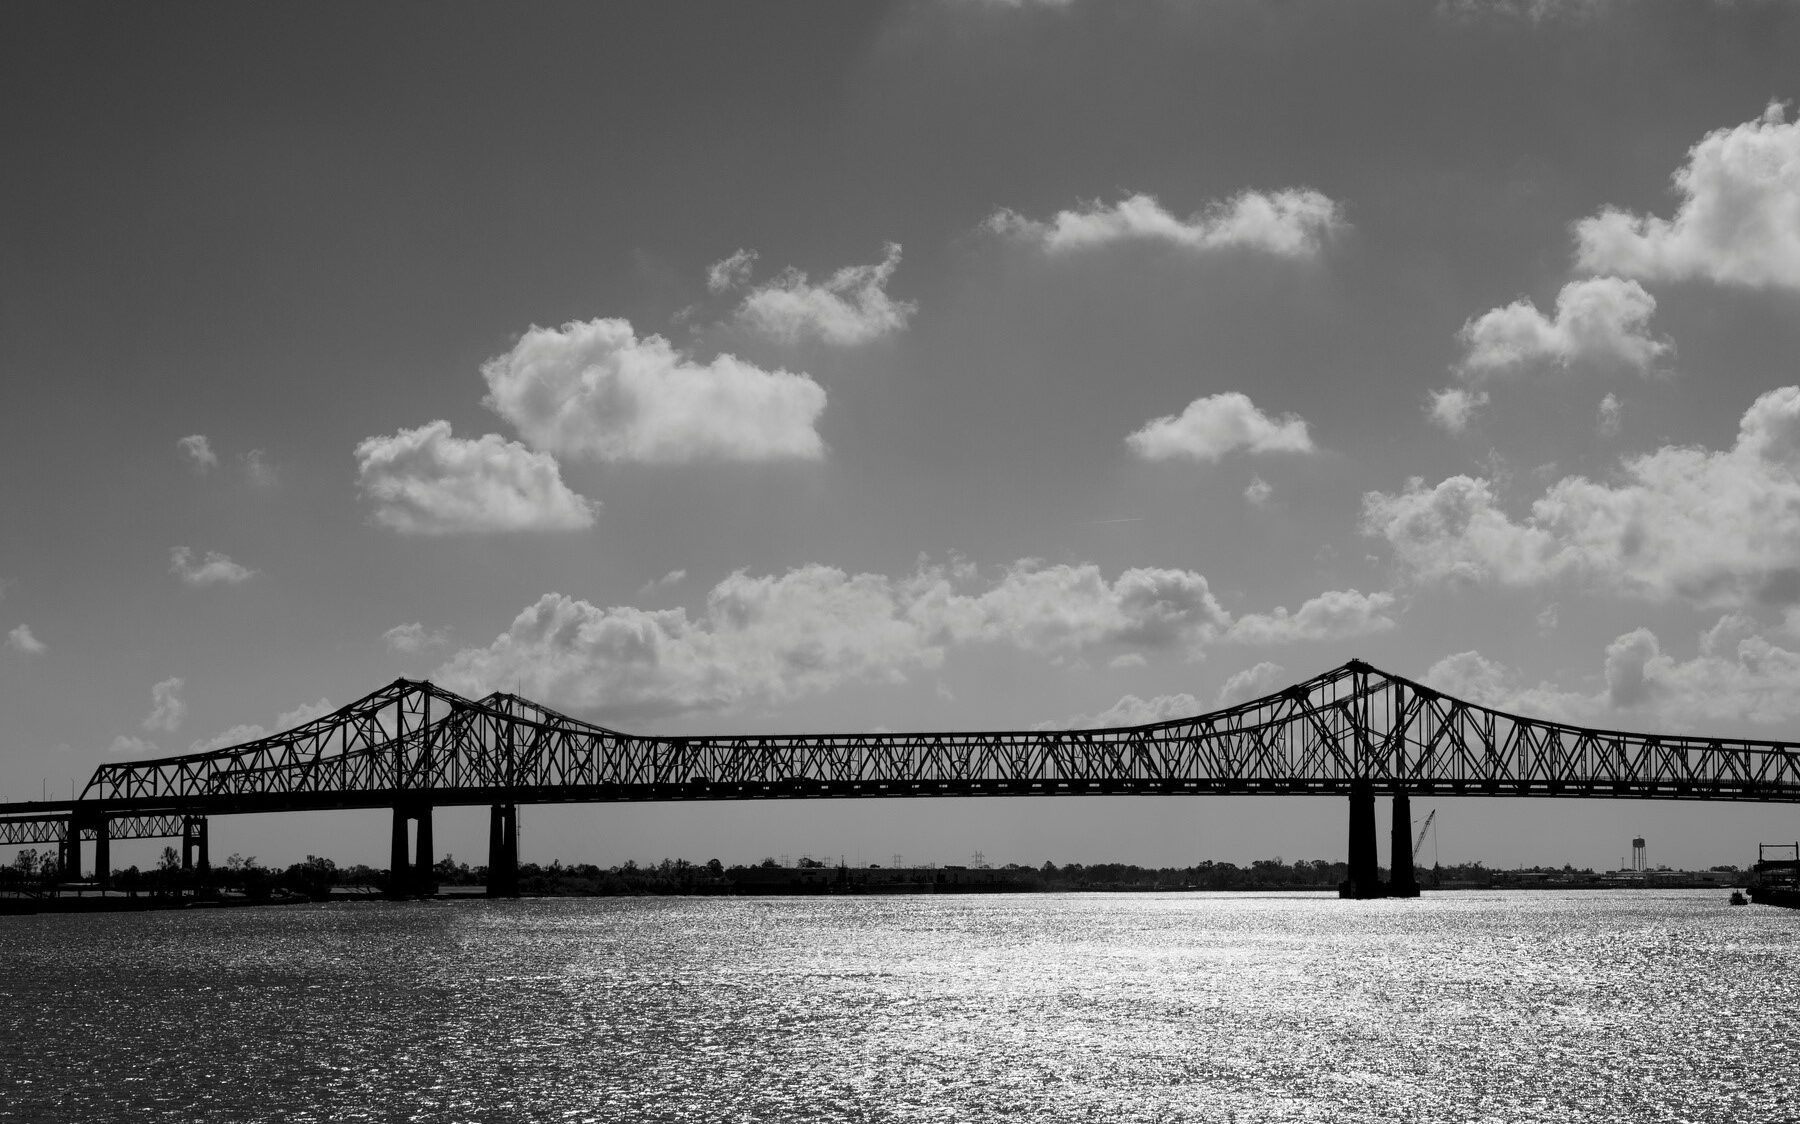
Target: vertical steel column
(1365, 878)
(503, 851)
(70, 856)
(1402, 881)
(102, 853)
(424, 877)
(399, 866)
(194, 854)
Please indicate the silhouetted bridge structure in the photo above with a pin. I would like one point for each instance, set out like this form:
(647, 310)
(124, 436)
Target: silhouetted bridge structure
(1353, 731)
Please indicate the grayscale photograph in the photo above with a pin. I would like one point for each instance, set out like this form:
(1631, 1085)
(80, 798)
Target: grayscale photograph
(900, 561)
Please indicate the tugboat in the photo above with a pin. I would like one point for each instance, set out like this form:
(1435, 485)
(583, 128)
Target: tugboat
(1738, 898)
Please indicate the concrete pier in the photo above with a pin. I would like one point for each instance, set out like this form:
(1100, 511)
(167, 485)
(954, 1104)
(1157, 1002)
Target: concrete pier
(503, 851)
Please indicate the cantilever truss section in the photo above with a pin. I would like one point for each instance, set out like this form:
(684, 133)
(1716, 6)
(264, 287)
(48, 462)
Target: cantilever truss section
(413, 741)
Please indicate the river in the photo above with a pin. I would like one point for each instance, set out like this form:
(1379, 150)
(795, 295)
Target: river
(1478, 1006)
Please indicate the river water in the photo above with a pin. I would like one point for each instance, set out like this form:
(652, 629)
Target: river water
(1502, 1007)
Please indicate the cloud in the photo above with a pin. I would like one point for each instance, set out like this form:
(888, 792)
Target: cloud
(1333, 615)
(1472, 677)
(1294, 223)
(198, 451)
(1454, 407)
(849, 308)
(259, 470)
(1738, 222)
(213, 569)
(426, 482)
(1258, 491)
(764, 640)
(1253, 683)
(1133, 711)
(1599, 321)
(20, 639)
(1737, 675)
(593, 389)
(1218, 424)
(731, 273)
(238, 735)
(415, 637)
(136, 746)
(672, 578)
(167, 706)
(1715, 529)
(1609, 417)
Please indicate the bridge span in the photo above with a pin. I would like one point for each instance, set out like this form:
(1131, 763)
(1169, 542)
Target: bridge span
(1354, 731)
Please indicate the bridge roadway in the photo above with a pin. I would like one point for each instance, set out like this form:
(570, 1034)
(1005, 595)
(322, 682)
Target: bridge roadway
(1354, 731)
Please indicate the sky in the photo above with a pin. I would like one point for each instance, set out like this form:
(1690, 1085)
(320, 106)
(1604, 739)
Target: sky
(943, 365)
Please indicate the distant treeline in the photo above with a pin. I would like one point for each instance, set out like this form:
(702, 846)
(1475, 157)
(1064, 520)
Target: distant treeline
(318, 877)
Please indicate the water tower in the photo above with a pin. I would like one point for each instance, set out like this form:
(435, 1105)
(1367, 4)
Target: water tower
(1638, 862)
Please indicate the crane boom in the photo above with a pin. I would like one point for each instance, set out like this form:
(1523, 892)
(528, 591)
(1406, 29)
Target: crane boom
(1423, 828)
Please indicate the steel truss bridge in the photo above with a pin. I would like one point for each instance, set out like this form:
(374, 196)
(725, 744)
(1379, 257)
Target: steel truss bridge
(1354, 731)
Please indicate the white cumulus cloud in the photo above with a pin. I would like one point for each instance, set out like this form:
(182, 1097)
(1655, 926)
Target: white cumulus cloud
(167, 709)
(1134, 711)
(198, 451)
(1253, 683)
(238, 735)
(1218, 424)
(426, 481)
(1454, 407)
(594, 389)
(1294, 223)
(414, 637)
(848, 308)
(1337, 614)
(1609, 417)
(1712, 528)
(20, 639)
(213, 568)
(1737, 675)
(1738, 222)
(774, 638)
(1599, 321)
(730, 273)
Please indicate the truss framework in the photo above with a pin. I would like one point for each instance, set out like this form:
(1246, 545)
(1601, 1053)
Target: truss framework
(414, 742)
(22, 830)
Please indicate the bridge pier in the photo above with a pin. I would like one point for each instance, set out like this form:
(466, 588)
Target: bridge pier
(194, 854)
(503, 851)
(409, 870)
(69, 853)
(424, 876)
(1402, 881)
(102, 852)
(1365, 878)
(1365, 872)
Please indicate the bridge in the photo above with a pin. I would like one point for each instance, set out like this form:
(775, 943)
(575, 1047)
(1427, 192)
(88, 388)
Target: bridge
(1353, 731)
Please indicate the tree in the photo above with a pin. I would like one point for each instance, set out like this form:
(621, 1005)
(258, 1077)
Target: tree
(171, 860)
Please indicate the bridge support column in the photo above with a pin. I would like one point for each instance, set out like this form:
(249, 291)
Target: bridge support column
(400, 858)
(424, 877)
(194, 854)
(1402, 881)
(69, 854)
(1365, 877)
(102, 853)
(409, 870)
(503, 851)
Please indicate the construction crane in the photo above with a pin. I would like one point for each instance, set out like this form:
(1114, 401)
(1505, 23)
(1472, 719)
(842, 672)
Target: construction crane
(1422, 830)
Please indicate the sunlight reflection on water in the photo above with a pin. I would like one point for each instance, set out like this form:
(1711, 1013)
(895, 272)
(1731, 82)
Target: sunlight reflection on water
(1630, 1006)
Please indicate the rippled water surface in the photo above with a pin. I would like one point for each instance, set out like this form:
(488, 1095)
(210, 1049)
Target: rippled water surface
(1630, 1006)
